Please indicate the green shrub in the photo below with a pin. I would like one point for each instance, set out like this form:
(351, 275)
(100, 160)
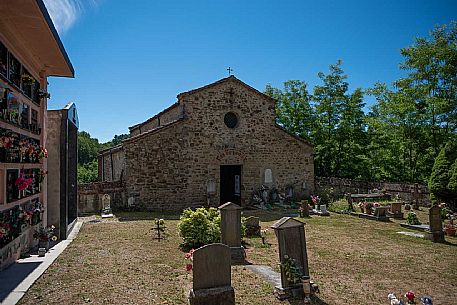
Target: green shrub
(412, 219)
(200, 227)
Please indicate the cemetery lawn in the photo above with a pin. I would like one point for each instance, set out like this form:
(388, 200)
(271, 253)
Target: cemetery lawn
(354, 261)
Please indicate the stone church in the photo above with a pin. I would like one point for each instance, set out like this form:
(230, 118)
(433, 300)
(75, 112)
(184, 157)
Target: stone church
(217, 143)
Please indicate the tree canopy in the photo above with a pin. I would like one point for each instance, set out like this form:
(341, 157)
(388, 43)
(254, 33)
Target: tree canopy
(400, 135)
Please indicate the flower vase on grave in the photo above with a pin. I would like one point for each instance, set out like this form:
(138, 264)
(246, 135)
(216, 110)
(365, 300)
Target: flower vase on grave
(43, 244)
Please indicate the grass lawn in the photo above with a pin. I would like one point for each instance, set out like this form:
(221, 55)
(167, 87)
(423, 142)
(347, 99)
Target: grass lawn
(354, 261)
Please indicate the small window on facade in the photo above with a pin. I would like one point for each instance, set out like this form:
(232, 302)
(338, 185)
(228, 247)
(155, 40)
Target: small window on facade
(231, 120)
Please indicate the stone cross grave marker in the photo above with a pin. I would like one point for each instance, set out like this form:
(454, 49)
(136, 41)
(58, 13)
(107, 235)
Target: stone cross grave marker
(252, 226)
(106, 206)
(212, 276)
(435, 232)
(292, 244)
(231, 231)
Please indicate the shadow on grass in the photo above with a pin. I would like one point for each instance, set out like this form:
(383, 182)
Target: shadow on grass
(270, 215)
(315, 300)
(134, 216)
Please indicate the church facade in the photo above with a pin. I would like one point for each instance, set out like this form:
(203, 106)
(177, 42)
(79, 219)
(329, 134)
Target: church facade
(217, 143)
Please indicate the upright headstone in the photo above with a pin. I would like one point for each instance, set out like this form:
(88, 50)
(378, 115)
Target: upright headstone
(435, 232)
(212, 276)
(231, 231)
(252, 226)
(292, 245)
(106, 206)
(395, 210)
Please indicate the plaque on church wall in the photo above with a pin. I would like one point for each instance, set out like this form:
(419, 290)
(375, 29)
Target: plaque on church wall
(268, 176)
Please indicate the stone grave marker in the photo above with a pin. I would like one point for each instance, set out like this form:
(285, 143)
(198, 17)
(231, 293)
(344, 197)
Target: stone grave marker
(323, 210)
(212, 276)
(395, 210)
(435, 232)
(253, 226)
(292, 244)
(380, 212)
(231, 231)
(106, 206)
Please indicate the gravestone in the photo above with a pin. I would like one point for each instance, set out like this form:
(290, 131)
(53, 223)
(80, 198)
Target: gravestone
(395, 210)
(292, 244)
(435, 232)
(212, 276)
(231, 231)
(304, 209)
(252, 226)
(380, 212)
(106, 206)
(323, 210)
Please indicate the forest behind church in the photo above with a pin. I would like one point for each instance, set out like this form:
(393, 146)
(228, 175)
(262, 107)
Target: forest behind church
(408, 135)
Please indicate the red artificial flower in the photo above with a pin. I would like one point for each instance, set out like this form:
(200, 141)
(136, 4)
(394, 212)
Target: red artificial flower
(188, 267)
(410, 296)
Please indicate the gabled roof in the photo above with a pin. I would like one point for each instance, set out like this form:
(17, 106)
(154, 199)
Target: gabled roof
(155, 116)
(287, 222)
(223, 80)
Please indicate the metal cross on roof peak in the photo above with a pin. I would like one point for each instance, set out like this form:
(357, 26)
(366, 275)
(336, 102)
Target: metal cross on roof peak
(230, 70)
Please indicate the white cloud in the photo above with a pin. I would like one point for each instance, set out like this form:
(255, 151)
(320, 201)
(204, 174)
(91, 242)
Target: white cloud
(64, 13)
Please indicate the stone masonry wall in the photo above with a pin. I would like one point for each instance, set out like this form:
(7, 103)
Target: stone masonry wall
(112, 164)
(342, 186)
(167, 169)
(90, 196)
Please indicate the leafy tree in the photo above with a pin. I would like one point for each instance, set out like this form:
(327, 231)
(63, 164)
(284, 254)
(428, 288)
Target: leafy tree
(452, 185)
(441, 173)
(88, 148)
(88, 172)
(293, 108)
(432, 81)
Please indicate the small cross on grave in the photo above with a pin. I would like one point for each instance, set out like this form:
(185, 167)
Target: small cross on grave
(159, 228)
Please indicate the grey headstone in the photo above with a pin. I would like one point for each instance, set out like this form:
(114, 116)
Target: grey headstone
(106, 201)
(434, 217)
(252, 221)
(211, 267)
(291, 242)
(395, 208)
(230, 224)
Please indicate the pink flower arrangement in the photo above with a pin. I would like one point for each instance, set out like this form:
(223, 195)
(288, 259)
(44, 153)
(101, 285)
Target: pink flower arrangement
(22, 183)
(315, 199)
(189, 255)
(6, 142)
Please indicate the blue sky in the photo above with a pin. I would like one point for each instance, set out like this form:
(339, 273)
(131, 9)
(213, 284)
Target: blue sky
(133, 57)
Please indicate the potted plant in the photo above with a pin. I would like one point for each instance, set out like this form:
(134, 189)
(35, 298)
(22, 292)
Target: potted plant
(412, 219)
(294, 275)
(449, 228)
(44, 235)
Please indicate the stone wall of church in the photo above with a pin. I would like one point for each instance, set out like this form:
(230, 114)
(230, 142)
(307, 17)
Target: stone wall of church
(111, 164)
(168, 169)
(157, 168)
(256, 143)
